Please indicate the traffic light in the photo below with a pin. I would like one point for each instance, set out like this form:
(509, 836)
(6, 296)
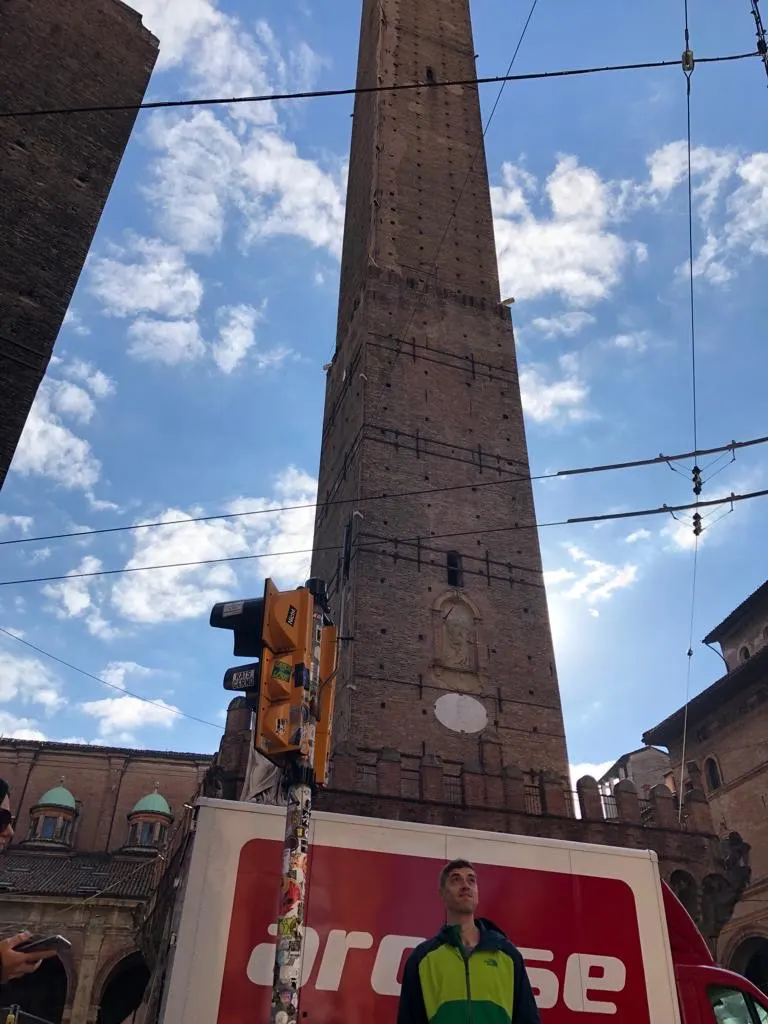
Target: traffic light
(277, 629)
(326, 697)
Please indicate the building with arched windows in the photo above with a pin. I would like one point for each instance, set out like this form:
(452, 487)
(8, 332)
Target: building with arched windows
(90, 822)
(726, 754)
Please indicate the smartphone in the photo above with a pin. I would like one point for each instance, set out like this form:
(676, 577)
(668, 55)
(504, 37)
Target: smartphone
(44, 944)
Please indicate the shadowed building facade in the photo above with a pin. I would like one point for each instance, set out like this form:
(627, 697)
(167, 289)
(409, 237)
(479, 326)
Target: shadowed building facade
(83, 861)
(56, 171)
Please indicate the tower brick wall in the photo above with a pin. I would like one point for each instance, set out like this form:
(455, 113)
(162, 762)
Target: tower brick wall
(56, 171)
(440, 590)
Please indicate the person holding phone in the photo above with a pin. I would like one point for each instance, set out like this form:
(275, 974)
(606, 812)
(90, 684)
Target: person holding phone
(12, 963)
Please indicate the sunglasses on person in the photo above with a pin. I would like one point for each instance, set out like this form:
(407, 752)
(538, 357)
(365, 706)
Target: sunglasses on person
(6, 819)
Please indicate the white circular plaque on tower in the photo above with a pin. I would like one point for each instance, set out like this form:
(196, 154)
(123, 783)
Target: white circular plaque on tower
(461, 713)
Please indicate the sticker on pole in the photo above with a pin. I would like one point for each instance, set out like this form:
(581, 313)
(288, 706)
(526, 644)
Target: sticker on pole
(291, 616)
(281, 670)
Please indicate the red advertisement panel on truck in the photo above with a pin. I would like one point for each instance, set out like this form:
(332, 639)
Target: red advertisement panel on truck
(589, 920)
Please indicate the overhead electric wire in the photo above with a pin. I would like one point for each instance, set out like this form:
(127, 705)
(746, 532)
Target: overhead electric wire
(572, 521)
(104, 682)
(732, 446)
(359, 90)
(688, 64)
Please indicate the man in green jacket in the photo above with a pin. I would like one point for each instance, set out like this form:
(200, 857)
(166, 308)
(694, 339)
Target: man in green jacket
(469, 971)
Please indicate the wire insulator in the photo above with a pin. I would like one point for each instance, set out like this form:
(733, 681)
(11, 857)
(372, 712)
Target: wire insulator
(689, 61)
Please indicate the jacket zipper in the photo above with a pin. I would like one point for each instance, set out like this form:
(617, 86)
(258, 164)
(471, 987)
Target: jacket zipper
(469, 987)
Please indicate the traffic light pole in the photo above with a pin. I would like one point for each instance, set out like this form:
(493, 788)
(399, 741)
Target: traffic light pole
(300, 780)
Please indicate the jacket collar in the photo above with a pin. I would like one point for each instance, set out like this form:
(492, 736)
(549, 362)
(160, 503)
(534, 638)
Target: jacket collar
(491, 936)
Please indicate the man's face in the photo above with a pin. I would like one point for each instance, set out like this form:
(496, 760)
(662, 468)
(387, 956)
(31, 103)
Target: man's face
(460, 893)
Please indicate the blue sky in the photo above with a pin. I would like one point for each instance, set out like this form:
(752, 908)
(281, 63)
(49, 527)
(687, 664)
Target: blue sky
(188, 379)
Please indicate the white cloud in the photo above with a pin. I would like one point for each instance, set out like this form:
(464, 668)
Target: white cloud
(73, 319)
(590, 580)
(69, 399)
(637, 535)
(79, 598)
(547, 399)
(283, 193)
(99, 384)
(632, 341)
(118, 715)
(116, 671)
(193, 179)
(15, 728)
(189, 591)
(22, 523)
(572, 252)
(566, 324)
(237, 335)
(735, 223)
(165, 341)
(29, 680)
(147, 276)
(49, 448)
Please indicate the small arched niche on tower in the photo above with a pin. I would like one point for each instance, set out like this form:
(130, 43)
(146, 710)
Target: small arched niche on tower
(455, 623)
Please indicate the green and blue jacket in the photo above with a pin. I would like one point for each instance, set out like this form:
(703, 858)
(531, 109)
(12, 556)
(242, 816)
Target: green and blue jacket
(443, 984)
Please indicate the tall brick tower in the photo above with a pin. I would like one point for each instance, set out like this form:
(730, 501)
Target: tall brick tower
(439, 585)
(56, 171)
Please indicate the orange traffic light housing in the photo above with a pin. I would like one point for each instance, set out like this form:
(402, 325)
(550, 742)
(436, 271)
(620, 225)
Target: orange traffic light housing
(285, 659)
(326, 700)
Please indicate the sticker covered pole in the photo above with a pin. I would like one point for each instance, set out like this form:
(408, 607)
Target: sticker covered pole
(300, 780)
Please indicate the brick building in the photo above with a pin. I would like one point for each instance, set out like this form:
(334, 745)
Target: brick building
(90, 822)
(726, 747)
(448, 707)
(56, 171)
(646, 767)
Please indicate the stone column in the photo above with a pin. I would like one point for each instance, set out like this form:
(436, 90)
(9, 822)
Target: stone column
(343, 768)
(697, 810)
(431, 779)
(514, 789)
(590, 804)
(663, 803)
(388, 772)
(627, 801)
(553, 797)
(89, 962)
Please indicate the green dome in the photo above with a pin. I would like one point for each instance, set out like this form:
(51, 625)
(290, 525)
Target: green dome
(58, 797)
(152, 803)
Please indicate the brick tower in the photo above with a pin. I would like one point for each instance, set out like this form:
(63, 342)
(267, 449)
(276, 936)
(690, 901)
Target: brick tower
(56, 172)
(440, 584)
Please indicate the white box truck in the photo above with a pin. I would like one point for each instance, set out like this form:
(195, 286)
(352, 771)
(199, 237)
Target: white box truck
(600, 933)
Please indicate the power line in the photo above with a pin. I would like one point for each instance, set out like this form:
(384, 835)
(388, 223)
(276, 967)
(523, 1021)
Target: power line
(105, 682)
(732, 447)
(688, 64)
(361, 90)
(762, 45)
(573, 521)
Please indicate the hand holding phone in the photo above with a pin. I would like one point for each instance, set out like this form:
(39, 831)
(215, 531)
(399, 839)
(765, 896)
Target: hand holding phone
(43, 944)
(15, 963)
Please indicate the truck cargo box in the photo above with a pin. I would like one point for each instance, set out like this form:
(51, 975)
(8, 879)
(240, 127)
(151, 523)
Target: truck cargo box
(589, 920)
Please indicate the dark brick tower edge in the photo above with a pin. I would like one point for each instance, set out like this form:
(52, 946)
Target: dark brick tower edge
(56, 172)
(448, 708)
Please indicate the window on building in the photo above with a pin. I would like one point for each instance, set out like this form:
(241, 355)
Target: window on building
(50, 825)
(455, 571)
(712, 773)
(147, 833)
(744, 654)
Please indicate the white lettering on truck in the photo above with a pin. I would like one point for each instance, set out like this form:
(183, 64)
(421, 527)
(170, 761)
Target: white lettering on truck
(585, 973)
